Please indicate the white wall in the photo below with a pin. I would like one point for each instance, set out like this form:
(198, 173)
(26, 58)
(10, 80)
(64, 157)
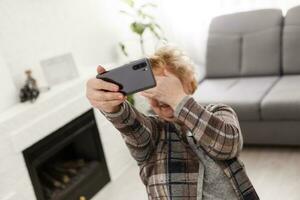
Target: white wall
(8, 92)
(31, 31)
(34, 30)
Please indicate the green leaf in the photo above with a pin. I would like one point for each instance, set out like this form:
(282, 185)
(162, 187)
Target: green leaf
(141, 21)
(138, 27)
(123, 49)
(130, 99)
(144, 15)
(157, 26)
(152, 29)
(129, 2)
(126, 13)
(148, 5)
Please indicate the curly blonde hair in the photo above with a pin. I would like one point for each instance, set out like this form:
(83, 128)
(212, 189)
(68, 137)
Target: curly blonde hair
(176, 62)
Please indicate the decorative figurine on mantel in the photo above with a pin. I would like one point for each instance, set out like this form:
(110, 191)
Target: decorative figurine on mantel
(30, 91)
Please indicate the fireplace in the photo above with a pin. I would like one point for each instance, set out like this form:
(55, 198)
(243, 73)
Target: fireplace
(69, 164)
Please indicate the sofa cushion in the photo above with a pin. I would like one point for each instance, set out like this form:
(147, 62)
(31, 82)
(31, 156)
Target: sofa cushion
(243, 94)
(291, 42)
(223, 52)
(246, 22)
(261, 53)
(283, 100)
(244, 44)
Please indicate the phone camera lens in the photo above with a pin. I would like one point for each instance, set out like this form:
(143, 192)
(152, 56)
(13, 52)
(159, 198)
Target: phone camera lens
(139, 66)
(136, 67)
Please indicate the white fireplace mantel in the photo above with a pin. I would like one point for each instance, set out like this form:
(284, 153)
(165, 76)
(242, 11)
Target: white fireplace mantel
(24, 124)
(27, 123)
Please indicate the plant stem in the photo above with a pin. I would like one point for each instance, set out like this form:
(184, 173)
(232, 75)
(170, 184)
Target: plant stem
(142, 44)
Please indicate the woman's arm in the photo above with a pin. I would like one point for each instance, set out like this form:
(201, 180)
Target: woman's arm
(215, 128)
(139, 132)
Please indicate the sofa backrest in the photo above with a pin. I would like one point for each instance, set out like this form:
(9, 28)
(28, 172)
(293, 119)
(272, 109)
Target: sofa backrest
(244, 44)
(291, 42)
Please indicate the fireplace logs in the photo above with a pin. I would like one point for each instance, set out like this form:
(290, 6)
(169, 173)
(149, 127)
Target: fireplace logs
(56, 177)
(59, 191)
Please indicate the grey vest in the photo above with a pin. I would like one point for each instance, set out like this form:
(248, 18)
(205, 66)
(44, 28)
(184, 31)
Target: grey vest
(213, 184)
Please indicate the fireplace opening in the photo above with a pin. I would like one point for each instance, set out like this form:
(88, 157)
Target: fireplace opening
(69, 164)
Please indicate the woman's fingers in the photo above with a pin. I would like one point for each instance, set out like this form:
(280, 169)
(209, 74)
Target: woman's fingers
(148, 92)
(102, 85)
(102, 104)
(105, 96)
(102, 94)
(108, 96)
(100, 69)
(157, 110)
(148, 95)
(153, 102)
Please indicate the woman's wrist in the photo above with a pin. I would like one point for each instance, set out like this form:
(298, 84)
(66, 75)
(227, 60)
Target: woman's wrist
(113, 110)
(177, 100)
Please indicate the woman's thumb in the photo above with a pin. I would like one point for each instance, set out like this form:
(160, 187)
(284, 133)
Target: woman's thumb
(100, 69)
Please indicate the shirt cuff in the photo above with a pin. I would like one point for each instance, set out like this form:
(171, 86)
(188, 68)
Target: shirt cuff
(114, 114)
(181, 104)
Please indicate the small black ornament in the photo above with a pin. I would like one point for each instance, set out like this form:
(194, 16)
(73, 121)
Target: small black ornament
(30, 91)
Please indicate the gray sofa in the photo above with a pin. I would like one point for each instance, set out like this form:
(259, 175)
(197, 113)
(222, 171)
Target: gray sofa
(253, 65)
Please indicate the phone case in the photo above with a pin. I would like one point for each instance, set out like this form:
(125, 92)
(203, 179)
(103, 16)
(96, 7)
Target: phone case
(132, 77)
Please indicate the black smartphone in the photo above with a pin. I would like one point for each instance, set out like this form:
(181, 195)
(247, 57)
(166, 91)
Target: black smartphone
(132, 77)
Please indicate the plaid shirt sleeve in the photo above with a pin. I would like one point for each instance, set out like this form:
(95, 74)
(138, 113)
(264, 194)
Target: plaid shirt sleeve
(215, 128)
(139, 132)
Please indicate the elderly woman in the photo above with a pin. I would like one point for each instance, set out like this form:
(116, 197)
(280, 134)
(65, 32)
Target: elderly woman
(187, 150)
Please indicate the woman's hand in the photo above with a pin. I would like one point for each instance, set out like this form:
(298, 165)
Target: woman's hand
(168, 90)
(104, 95)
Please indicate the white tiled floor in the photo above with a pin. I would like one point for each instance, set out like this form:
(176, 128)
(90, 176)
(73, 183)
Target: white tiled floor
(274, 172)
(127, 187)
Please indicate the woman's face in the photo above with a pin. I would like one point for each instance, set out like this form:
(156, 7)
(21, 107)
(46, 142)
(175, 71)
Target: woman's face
(163, 110)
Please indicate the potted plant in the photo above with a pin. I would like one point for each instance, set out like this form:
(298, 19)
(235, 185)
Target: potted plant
(141, 22)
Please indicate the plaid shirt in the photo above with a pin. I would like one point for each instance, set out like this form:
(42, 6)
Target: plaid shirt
(168, 164)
